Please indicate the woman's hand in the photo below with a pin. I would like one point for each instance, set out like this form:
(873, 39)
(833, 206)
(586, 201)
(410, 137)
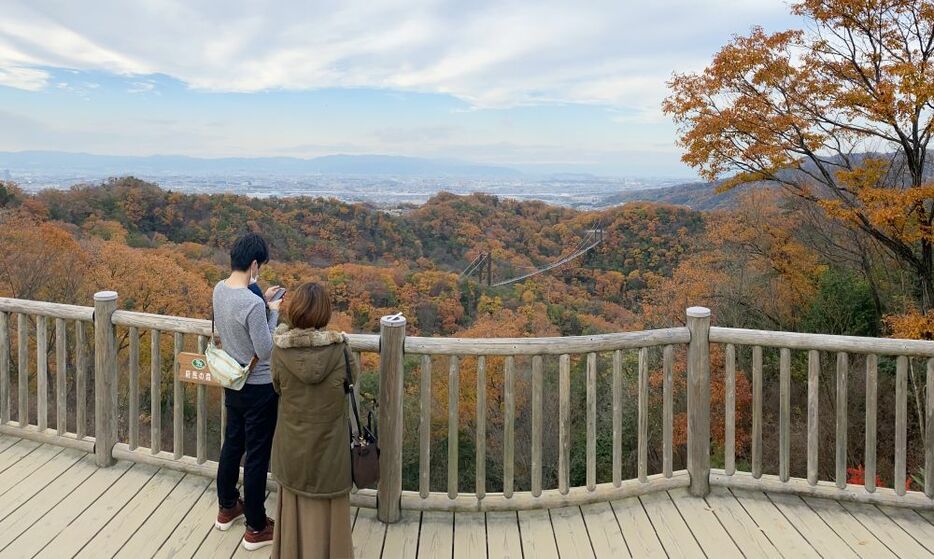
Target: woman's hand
(271, 292)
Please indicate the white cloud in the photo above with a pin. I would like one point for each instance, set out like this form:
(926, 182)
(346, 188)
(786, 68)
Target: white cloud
(141, 87)
(492, 54)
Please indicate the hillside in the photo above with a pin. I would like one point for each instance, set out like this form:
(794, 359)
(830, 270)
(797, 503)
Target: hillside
(700, 196)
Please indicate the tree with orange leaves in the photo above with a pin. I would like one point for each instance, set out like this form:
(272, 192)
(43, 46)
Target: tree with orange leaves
(840, 115)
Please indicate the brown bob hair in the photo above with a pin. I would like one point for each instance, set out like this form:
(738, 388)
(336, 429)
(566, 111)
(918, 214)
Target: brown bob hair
(309, 306)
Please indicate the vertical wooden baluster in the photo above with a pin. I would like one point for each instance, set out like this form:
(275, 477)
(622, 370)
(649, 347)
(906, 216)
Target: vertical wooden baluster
(155, 392)
(61, 379)
(813, 427)
(201, 419)
(42, 373)
(729, 444)
(757, 412)
(81, 380)
(509, 426)
(564, 423)
(178, 402)
(872, 376)
(22, 354)
(133, 390)
(481, 427)
(617, 418)
(424, 428)
(784, 428)
(668, 357)
(929, 432)
(842, 368)
(901, 422)
(643, 426)
(4, 368)
(537, 421)
(453, 398)
(591, 421)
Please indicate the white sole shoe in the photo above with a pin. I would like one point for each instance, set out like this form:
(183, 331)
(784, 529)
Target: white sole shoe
(224, 526)
(254, 546)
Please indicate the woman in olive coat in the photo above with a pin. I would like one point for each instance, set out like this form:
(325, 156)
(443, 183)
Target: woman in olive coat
(311, 447)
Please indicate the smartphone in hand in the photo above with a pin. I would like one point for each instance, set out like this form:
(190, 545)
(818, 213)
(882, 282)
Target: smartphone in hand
(278, 295)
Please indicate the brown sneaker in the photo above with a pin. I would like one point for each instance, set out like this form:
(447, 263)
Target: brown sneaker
(256, 539)
(227, 517)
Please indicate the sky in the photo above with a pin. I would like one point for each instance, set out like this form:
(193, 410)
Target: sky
(542, 86)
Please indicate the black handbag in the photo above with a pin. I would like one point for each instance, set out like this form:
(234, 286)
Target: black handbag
(364, 446)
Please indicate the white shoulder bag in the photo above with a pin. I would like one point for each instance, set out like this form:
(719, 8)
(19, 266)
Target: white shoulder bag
(225, 369)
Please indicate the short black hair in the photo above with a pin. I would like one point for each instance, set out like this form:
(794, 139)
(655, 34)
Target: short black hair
(248, 248)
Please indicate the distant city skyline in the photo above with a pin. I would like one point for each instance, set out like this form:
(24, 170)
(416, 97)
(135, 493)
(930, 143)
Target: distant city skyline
(538, 86)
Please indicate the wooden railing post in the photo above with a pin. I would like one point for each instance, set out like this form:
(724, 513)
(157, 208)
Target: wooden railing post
(105, 378)
(389, 490)
(698, 459)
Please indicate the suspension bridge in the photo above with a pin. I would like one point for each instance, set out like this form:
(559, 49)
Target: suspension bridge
(483, 263)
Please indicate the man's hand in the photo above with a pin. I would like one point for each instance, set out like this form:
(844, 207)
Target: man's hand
(275, 305)
(271, 292)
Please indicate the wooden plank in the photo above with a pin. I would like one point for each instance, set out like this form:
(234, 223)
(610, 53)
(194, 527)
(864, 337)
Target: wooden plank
(42, 373)
(4, 368)
(187, 537)
(637, 529)
(469, 535)
(564, 423)
(509, 425)
(729, 445)
(437, 535)
(480, 467)
(670, 527)
(913, 524)
(178, 402)
(813, 426)
(538, 538)
(901, 422)
(859, 539)
(453, 420)
(46, 309)
(570, 533)
(591, 473)
(81, 381)
(643, 415)
(617, 418)
(739, 525)
(928, 433)
(122, 526)
(7, 441)
(704, 525)
(757, 411)
(502, 534)
(29, 463)
(668, 357)
(545, 346)
(31, 542)
(16, 452)
(843, 367)
(368, 535)
(776, 527)
(537, 422)
(872, 384)
(887, 531)
(201, 417)
(603, 530)
(22, 364)
(61, 376)
(402, 537)
(821, 537)
(133, 390)
(12, 525)
(152, 533)
(224, 544)
(821, 342)
(424, 428)
(155, 391)
(34, 482)
(784, 430)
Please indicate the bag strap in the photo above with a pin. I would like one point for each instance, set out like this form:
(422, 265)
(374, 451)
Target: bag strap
(348, 388)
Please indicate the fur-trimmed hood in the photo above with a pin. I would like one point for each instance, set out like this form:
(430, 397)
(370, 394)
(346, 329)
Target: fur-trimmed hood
(287, 337)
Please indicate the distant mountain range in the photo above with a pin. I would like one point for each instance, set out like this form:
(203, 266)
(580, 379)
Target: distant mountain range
(53, 162)
(702, 196)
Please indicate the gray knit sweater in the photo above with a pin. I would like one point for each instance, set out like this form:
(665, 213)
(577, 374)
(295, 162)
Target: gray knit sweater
(241, 321)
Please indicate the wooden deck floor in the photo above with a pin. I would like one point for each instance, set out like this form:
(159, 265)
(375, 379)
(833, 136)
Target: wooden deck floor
(55, 503)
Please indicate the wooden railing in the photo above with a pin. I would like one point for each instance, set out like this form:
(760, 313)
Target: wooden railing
(119, 336)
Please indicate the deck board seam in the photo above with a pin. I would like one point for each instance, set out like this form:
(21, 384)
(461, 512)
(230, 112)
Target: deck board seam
(152, 512)
(587, 530)
(37, 467)
(720, 522)
(756, 522)
(652, 524)
(845, 540)
(686, 523)
(50, 482)
(554, 536)
(870, 530)
(897, 523)
(181, 518)
(519, 528)
(621, 533)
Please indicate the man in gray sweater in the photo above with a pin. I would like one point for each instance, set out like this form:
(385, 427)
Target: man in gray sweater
(244, 322)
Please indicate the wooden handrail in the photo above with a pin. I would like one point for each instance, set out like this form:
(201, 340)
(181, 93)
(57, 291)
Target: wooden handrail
(546, 346)
(822, 342)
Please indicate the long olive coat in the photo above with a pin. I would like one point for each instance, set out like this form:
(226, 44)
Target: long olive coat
(311, 447)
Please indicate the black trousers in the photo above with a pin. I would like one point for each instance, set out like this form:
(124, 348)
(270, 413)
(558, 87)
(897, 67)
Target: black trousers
(251, 422)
